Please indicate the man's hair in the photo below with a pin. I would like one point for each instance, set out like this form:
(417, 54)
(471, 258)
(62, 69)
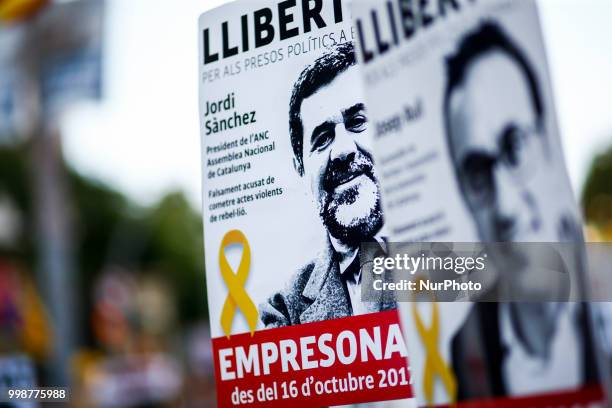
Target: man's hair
(487, 38)
(314, 77)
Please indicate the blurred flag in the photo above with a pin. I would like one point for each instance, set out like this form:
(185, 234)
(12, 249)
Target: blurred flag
(36, 335)
(24, 322)
(10, 40)
(58, 54)
(70, 61)
(16, 10)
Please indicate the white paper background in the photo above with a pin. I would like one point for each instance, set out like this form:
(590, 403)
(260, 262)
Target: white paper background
(425, 79)
(284, 232)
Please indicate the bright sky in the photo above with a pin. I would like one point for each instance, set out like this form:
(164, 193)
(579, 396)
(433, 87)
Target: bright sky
(144, 137)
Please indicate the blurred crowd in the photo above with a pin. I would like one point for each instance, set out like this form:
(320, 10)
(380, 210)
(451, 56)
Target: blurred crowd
(141, 333)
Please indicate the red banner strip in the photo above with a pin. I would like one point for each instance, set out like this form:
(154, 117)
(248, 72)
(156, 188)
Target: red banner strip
(335, 362)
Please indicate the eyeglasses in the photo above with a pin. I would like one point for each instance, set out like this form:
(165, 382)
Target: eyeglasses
(518, 155)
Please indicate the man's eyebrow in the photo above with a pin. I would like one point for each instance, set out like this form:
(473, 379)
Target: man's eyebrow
(325, 126)
(347, 113)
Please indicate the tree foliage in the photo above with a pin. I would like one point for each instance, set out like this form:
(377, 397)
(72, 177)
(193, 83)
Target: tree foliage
(165, 239)
(597, 192)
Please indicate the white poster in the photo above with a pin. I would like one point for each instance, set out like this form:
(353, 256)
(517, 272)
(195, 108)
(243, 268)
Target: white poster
(290, 190)
(468, 149)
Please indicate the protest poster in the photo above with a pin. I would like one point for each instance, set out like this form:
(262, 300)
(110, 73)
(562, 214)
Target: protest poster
(468, 150)
(290, 190)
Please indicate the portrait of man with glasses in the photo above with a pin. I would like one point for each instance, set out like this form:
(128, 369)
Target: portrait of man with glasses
(495, 121)
(495, 126)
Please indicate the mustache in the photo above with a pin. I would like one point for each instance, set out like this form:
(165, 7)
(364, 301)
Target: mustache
(341, 170)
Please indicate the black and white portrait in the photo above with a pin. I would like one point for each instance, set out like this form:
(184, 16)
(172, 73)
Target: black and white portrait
(328, 129)
(495, 119)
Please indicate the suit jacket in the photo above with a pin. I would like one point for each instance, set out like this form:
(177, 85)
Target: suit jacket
(315, 293)
(478, 354)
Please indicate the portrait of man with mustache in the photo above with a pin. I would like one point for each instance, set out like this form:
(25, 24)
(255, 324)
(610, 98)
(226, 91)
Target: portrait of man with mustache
(332, 151)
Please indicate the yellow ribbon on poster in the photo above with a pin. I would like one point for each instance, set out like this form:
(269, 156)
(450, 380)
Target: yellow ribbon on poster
(435, 366)
(237, 296)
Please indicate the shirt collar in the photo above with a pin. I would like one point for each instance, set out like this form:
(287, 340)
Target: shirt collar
(346, 255)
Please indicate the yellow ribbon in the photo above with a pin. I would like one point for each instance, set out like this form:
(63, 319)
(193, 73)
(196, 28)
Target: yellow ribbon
(237, 296)
(435, 366)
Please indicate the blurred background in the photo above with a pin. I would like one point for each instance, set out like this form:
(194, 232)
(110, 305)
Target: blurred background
(101, 248)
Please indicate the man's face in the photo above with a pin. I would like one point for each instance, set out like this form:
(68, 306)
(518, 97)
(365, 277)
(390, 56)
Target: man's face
(337, 160)
(495, 148)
